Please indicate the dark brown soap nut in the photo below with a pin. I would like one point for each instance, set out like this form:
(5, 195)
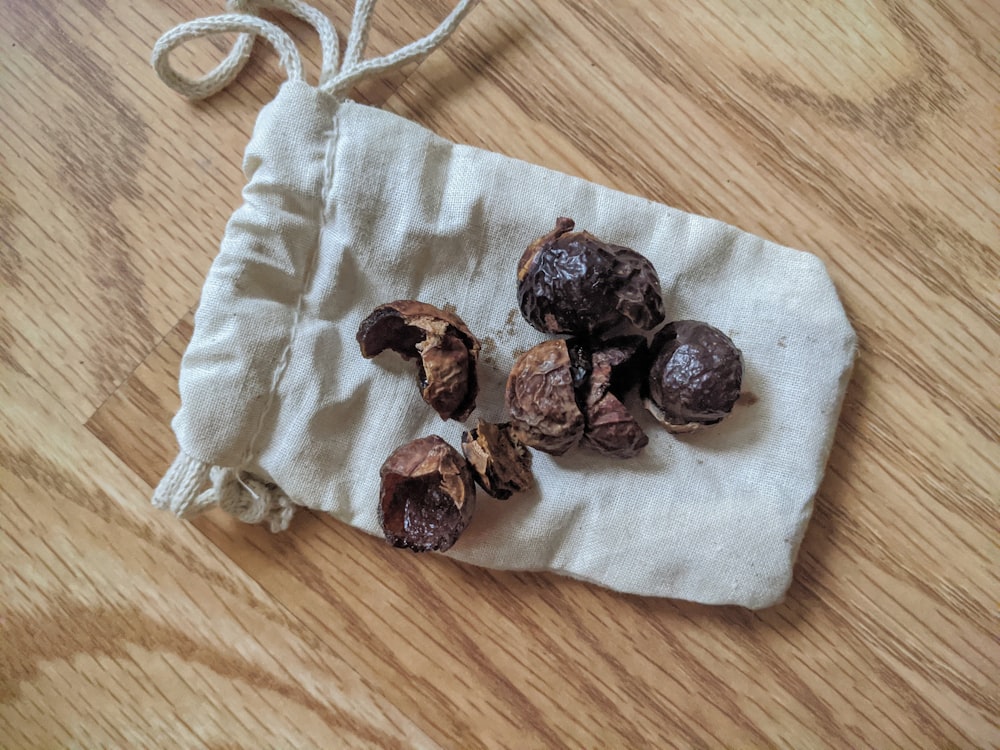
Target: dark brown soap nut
(541, 399)
(609, 426)
(500, 463)
(695, 376)
(444, 347)
(427, 495)
(572, 282)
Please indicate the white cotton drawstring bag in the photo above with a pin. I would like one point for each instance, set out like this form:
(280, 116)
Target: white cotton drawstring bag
(347, 207)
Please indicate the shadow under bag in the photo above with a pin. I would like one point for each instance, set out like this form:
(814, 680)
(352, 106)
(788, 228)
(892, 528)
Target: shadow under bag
(347, 207)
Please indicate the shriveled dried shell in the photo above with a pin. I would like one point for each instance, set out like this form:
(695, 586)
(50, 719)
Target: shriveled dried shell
(610, 427)
(541, 401)
(427, 495)
(572, 282)
(445, 349)
(500, 463)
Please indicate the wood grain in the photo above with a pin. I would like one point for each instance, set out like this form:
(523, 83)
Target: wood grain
(100, 164)
(865, 132)
(120, 628)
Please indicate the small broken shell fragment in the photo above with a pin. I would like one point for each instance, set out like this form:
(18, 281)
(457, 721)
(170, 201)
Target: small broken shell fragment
(610, 427)
(695, 376)
(443, 345)
(500, 463)
(572, 282)
(427, 496)
(541, 399)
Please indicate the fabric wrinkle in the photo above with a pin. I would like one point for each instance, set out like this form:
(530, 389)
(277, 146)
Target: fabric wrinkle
(348, 207)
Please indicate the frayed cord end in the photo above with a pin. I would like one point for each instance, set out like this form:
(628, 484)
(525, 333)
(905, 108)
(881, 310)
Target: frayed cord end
(183, 492)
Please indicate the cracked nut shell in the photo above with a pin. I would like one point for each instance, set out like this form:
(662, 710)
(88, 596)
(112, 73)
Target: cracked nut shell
(610, 427)
(695, 376)
(541, 399)
(427, 496)
(444, 347)
(500, 463)
(572, 282)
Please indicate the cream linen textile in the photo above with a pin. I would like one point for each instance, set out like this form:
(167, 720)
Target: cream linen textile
(347, 207)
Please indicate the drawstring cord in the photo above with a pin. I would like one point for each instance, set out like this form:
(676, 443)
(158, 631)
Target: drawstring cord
(250, 499)
(354, 69)
(335, 78)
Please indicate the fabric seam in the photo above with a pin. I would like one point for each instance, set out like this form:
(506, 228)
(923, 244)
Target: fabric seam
(285, 358)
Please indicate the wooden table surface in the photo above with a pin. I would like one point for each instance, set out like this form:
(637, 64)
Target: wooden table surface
(864, 131)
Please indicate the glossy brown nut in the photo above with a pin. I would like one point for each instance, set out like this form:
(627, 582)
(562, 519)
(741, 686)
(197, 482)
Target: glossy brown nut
(541, 400)
(695, 376)
(610, 427)
(500, 463)
(427, 497)
(572, 282)
(444, 347)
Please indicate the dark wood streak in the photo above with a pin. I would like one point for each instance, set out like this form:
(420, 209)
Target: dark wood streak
(688, 730)
(356, 629)
(953, 263)
(921, 368)
(991, 62)
(11, 259)
(7, 338)
(879, 645)
(517, 705)
(629, 708)
(11, 263)
(745, 629)
(67, 628)
(860, 540)
(866, 431)
(96, 7)
(894, 115)
(31, 466)
(918, 714)
(538, 101)
(97, 142)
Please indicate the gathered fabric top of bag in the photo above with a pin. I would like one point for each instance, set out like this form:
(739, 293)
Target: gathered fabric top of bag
(347, 207)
